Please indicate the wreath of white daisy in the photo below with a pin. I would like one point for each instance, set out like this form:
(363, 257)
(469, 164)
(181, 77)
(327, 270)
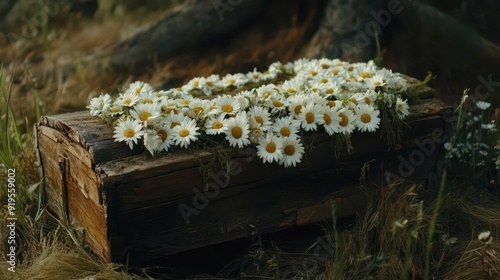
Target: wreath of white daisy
(271, 109)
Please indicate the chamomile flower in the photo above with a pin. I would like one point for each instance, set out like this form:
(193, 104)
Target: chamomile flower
(127, 99)
(331, 120)
(194, 83)
(172, 120)
(149, 97)
(236, 80)
(199, 108)
(237, 130)
(292, 151)
(254, 76)
(166, 137)
(215, 125)
(227, 104)
(485, 237)
(376, 80)
(347, 121)
(270, 148)
(145, 112)
(310, 116)
(261, 116)
(296, 103)
(128, 130)
(286, 126)
(139, 87)
(367, 118)
(291, 86)
(402, 108)
(266, 91)
(115, 111)
(277, 103)
(100, 104)
(185, 132)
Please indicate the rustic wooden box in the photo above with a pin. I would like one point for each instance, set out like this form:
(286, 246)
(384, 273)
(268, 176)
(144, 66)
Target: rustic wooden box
(126, 204)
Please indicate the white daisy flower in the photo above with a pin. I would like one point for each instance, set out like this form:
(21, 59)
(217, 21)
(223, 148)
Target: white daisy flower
(254, 76)
(292, 151)
(270, 148)
(215, 125)
(312, 70)
(266, 91)
(311, 116)
(185, 132)
(200, 108)
(194, 83)
(402, 107)
(227, 104)
(331, 120)
(347, 121)
(172, 119)
(325, 63)
(127, 99)
(243, 101)
(166, 137)
(286, 126)
(99, 104)
(212, 81)
(115, 111)
(483, 105)
(149, 97)
(376, 80)
(331, 88)
(128, 130)
(145, 112)
(139, 87)
(291, 86)
(367, 118)
(261, 116)
(237, 130)
(236, 80)
(277, 103)
(296, 103)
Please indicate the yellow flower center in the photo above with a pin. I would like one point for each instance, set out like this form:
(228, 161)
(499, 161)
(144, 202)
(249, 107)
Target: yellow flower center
(331, 103)
(376, 84)
(271, 148)
(185, 102)
(196, 83)
(232, 81)
(297, 109)
(127, 101)
(116, 109)
(184, 132)
(353, 100)
(138, 90)
(335, 72)
(266, 94)
(227, 108)
(400, 107)
(259, 120)
(163, 134)
(129, 133)
(174, 124)
(237, 132)
(323, 80)
(329, 90)
(285, 131)
(209, 83)
(367, 100)
(344, 121)
(266, 72)
(217, 125)
(256, 75)
(366, 118)
(277, 103)
(350, 68)
(178, 88)
(198, 110)
(309, 117)
(325, 66)
(327, 119)
(313, 73)
(289, 150)
(144, 116)
(364, 75)
(148, 101)
(290, 90)
(171, 110)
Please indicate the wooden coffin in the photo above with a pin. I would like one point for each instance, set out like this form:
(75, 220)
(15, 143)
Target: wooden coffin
(127, 205)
